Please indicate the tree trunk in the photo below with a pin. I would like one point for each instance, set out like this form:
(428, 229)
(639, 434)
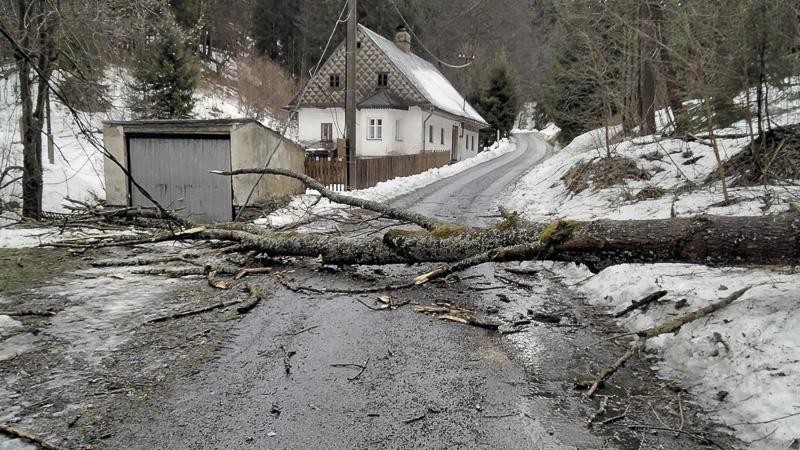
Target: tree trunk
(33, 110)
(31, 146)
(647, 83)
(708, 240)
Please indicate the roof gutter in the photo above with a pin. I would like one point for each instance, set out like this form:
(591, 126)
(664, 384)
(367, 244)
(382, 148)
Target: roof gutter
(425, 127)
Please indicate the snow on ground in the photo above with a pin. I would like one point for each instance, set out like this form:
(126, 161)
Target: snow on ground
(743, 362)
(310, 204)
(542, 195)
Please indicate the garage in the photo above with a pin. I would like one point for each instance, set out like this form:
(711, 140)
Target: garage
(171, 160)
(175, 171)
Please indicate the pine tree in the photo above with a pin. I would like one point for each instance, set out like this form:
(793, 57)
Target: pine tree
(187, 12)
(499, 102)
(165, 76)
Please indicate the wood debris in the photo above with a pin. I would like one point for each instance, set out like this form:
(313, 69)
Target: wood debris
(192, 312)
(215, 282)
(445, 311)
(667, 327)
(641, 303)
(287, 359)
(255, 298)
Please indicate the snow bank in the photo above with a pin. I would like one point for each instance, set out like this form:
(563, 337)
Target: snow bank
(743, 362)
(542, 195)
(301, 206)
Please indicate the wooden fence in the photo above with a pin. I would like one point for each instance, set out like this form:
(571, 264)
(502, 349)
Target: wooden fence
(332, 172)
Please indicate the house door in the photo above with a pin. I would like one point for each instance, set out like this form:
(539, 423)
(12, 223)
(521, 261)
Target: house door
(175, 171)
(454, 145)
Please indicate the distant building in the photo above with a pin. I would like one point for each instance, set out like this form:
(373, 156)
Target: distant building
(405, 105)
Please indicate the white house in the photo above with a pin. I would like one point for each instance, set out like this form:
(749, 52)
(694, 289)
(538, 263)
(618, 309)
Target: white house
(405, 105)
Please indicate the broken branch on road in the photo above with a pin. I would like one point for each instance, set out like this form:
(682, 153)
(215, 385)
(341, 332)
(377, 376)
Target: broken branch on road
(178, 315)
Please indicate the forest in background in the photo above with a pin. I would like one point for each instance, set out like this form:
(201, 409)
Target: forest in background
(585, 64)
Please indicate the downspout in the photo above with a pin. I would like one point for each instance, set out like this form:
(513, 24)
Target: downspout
(425, 128)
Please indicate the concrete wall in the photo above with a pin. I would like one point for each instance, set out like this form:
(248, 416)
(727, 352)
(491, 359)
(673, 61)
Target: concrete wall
(115, 180)
(251, 146)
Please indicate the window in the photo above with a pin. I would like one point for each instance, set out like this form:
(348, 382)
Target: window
(326, 134)
(442, 138)
(334, 80)
(383, 79)
(375, 129)
(473, 142)
(398, 134)
(430, 134)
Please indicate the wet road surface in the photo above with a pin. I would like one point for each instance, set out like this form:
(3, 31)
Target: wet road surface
(425, 383)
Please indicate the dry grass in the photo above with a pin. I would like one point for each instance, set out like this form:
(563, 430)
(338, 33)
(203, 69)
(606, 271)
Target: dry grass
(602, 173)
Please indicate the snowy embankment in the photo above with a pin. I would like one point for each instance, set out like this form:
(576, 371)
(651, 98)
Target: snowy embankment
(309, 205)
(742, 363)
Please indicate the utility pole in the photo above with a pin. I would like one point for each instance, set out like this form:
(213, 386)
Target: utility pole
(350, 95)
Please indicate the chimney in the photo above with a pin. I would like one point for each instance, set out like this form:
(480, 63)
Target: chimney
(403, 39)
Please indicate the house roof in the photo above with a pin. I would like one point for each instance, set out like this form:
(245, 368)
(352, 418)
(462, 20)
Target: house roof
(427, 79)
(383, 98)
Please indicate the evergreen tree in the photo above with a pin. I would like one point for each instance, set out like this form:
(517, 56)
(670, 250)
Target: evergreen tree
(499, 102)
(188, 13)
(293, 33)
(165, 75)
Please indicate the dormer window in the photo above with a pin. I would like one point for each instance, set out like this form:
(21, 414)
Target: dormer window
(334, 80)
(383, 79)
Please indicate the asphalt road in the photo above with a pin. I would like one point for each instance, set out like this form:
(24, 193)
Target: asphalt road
(425, 383)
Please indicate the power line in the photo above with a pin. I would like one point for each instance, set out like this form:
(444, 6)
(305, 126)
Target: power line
(293, 109)
(410, 30)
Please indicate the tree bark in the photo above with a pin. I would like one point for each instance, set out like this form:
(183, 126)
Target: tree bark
(33, 18)
(647, 83)
(708, 240)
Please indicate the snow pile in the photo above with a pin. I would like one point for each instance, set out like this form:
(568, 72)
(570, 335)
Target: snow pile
(742, 362)
(549, 133)
(310, 204)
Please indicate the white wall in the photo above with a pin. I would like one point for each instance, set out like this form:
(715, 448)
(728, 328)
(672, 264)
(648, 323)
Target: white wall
(465, 149)
(310, 120)
(415, 124)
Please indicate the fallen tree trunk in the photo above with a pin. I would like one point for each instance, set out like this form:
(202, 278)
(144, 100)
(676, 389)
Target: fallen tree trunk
(709, 240)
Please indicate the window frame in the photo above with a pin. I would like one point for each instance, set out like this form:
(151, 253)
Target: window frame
(398, 136)
(323, 127)
(383, 77)
(335, 81)
(375, 129)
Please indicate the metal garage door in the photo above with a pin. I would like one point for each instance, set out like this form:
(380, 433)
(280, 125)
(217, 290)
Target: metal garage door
(174, 170)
